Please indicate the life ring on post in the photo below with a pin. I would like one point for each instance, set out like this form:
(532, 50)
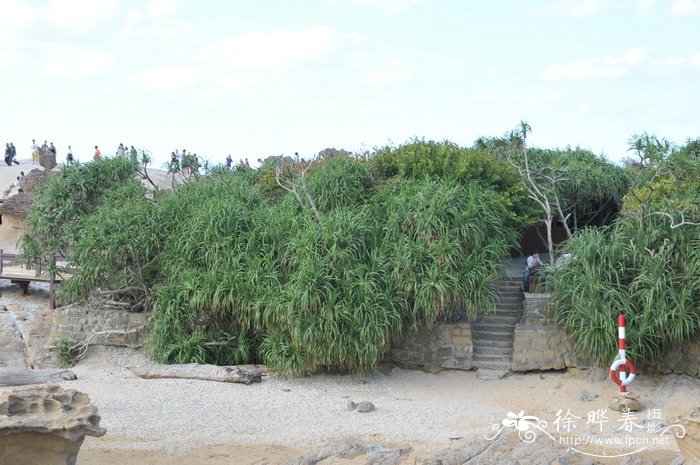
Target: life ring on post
(629, 368)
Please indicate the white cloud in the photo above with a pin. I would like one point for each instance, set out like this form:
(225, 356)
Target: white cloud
(685, 7)
(238, 81)
(576, 8)
(485, 97)
(273, 50)
(643, 6)
(77, 64)
(387, 5)
(695, 60)
(588, 8)
(598, 67)
(133, 17)
(80, 13)
(673, 65)
(168, 77)
(158, 8)
(394, 71)
(16, 13)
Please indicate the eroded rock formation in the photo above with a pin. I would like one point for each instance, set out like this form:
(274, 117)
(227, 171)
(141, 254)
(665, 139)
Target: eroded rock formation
(689, 443)
(45, 425)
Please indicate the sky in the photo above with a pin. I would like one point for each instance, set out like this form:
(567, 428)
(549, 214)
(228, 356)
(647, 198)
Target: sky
(259, 78)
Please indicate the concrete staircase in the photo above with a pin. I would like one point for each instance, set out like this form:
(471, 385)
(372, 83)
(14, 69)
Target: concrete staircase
(492, 335)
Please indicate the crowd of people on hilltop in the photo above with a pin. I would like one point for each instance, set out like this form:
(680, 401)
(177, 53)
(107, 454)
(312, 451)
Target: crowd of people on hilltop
(180, 161)
(184, 161)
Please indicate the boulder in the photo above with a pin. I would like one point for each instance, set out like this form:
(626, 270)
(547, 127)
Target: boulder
(47, 159)
(45, 425)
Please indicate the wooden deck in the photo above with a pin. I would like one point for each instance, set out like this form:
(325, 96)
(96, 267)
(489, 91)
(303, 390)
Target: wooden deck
(21, 275)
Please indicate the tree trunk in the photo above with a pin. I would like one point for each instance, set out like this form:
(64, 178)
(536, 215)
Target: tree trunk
(21, 376)
(232, 374)
(550, 241)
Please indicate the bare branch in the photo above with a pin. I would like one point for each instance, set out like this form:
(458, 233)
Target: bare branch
(675, 225)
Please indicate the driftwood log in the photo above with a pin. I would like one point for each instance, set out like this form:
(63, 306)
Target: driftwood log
(22, 377)
(233, 374)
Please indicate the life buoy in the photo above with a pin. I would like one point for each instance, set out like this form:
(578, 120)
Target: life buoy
(629, 368)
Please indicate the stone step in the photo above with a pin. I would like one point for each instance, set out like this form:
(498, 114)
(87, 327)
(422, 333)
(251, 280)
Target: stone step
(492, 336)
(499, 357)
(509, 289)
(513, 308)
(493, 325)
(481, 350)
(492, 343)
(510, 300)
(488, 374)
(507, 312)
(492, 365)
(499, 319)
(515, 296)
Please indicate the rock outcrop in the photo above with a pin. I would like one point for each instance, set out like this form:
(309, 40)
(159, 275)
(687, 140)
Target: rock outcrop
(35, 178)
(689, 443)
(17, 206)
(45, 425)
(47, 159)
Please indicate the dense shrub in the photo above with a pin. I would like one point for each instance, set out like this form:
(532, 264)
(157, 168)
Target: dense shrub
(66, 197)
(445, 160)
(279, 287)
(645, 266)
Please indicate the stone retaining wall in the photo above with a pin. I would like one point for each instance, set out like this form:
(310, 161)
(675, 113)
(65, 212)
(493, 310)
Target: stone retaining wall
(444, 345)
(77, 322)
(537, 343)
(685, 362)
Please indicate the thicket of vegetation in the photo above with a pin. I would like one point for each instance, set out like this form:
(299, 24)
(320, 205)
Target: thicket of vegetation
(237, 270)
(645, 266)
(323, 265)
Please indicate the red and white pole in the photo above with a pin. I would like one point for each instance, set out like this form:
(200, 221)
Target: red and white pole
(621, 345)
(625, 367)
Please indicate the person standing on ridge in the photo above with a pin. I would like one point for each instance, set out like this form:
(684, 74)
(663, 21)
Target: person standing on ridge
(52, 149)
(69, 156)
(229, 160)
(98, 154)
(35, 152)
(134, 156)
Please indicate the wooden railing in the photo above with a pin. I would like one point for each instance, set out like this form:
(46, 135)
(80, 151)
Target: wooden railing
(10, 259)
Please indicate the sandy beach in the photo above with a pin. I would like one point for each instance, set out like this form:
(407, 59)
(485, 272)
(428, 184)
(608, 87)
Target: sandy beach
(162, 421)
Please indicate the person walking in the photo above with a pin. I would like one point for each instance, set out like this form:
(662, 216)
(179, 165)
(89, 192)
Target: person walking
(22, 180)
(8, 155)
(18, 185)
(13, 154)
